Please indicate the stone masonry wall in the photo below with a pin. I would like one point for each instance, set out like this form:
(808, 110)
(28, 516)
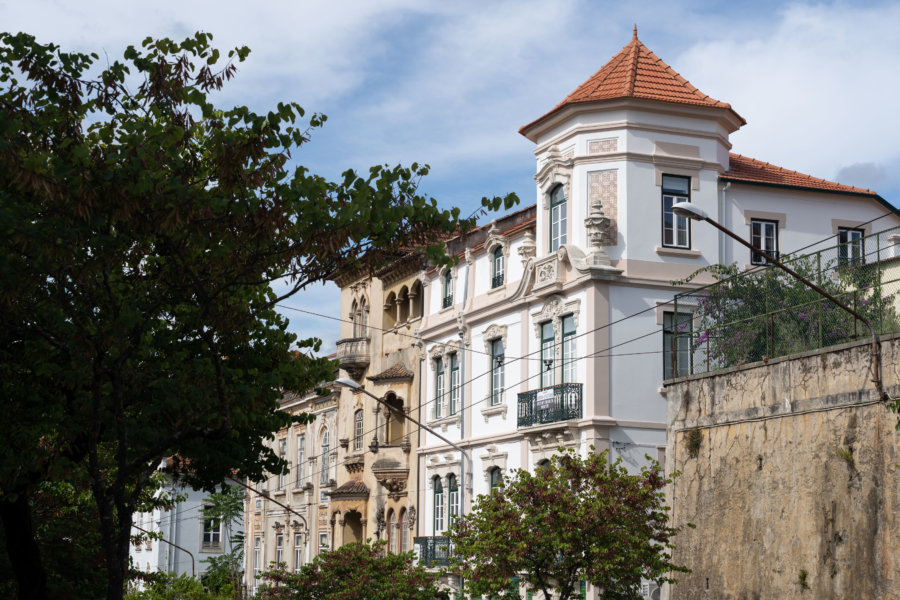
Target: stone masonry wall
(790, 474)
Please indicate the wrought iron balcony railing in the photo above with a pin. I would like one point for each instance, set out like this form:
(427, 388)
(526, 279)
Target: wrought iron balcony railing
(550, 405)
(433, 551)
(497, 280)
(447, 301)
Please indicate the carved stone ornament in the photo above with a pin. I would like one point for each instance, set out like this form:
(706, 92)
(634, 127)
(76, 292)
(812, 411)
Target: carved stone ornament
(546, 272)
(553, 310)
(411, 518)
(494, 239)
(556, 170)
(597, 225)
(278, 527)
(528, 249)
(494, 332)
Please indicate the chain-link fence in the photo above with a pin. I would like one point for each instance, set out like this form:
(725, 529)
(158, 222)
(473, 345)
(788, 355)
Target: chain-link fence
(765, 312)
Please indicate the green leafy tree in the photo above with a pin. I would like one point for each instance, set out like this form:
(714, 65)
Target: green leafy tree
(169, 586)
(354, 571)
(141, 228)
(577, 519)
(224, 572)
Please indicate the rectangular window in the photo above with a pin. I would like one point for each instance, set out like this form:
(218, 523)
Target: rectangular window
(448, 290)
(569, 360)
(323, 541)
(438, 386)
(279, 548)
(298, 552)
(677, 344)
(454, 502)
(497, 372)
(497, 268)
(557, 218)
(852, 250)
(438, 512)
(282, 454)
(212, 530)
(257, 561)
(300, 467)
(454, 383)
(763, 235)
(676, 230)
(358, 430)
(548, 344)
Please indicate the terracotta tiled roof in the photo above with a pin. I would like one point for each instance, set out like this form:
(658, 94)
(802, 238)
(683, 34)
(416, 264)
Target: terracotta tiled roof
(398, 371)
(742, 168)
(351, 488)
(636, 72)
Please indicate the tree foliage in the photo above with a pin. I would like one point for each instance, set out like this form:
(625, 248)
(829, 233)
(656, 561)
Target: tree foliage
(751, 316)
(577, 519)
(140, 229)
(354, 571)
(223, 573)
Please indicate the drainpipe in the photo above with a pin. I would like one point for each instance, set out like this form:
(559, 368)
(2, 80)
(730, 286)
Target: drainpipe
(722, 259)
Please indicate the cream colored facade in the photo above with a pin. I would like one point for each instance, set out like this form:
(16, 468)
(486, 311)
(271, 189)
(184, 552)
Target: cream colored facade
(376, 480)
(274, 534)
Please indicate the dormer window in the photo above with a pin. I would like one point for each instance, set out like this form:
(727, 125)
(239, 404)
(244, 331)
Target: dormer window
(448, 290)
(497, 267)
(557, 218)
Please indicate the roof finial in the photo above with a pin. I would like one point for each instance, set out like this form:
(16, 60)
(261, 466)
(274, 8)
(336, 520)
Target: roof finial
(635, 32)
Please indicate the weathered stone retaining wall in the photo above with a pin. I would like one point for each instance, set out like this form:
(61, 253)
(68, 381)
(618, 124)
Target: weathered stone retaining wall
(790, 474)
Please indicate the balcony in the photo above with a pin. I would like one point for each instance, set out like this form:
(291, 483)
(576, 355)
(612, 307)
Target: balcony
(433, 551)
(497, 280)
(353, 355)
(550, 405)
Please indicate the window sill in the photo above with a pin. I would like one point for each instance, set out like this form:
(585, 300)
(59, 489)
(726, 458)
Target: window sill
(680, 252)
(444, 422)
(280, 492)
(497, 409)
(499, 288)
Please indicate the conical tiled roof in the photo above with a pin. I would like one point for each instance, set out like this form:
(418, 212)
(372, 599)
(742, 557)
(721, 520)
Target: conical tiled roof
(635, 72)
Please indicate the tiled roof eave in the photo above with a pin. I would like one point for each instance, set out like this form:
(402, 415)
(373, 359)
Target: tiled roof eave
(585, 105)
(724, 177)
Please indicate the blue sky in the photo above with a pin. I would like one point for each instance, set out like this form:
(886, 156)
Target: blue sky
(450, 83)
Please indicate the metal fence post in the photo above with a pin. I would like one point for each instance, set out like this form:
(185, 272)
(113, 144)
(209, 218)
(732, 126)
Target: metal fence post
(819, 303)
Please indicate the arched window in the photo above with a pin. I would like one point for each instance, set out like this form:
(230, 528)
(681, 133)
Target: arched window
(403, 305)
(569, 358)
(390, 311)
(557, 218)
(543, 465)
(496, 478)
(354, 318)
(453, 504)
(417, 300)
(326, 457)
(448, 290)
(358, 430)
(404, 531)
(438, 506)
(363, 319)
(497, 267)
(394, 421)
(390, 532)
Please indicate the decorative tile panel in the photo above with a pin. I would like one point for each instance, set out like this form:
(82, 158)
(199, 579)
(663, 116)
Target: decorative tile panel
(605, 145)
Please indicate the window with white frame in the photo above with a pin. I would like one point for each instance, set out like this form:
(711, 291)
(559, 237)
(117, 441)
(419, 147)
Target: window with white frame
(324, 475)
(404, 531)
(497, 267)
(497, 371)
(298, 552)
(438, 386)
(300, 467)
(257, 561)
(495, 478)
(676, 230)
(763, 235)
(569, 358)
(448, 290)
(212, 530)
(358, 430)
(557, 217)
(851, 249)
(323, 541)
(453, 499)
(454, 383)
(279, 548)
(391, 532)
(677, 344)
(282, 454)
(438, 506)
(548, 345)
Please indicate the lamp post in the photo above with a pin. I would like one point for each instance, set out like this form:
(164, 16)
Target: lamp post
(695, 213)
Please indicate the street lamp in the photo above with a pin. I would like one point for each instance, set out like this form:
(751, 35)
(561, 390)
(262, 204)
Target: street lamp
(695, 213)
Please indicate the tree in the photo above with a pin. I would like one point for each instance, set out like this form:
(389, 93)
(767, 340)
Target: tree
(353, 571)
(168, 586)
(577, 519)
(227, 508)
(140, 229)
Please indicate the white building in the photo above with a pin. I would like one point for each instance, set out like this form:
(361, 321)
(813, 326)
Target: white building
(572, 292)
(190, 537)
